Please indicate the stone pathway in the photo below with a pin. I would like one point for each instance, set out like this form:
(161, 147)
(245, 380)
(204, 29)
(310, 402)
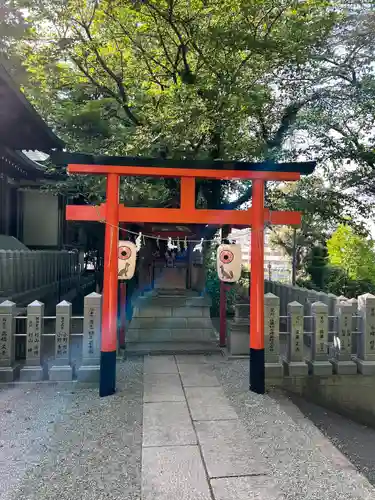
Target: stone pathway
(179, 428)
(196, 446)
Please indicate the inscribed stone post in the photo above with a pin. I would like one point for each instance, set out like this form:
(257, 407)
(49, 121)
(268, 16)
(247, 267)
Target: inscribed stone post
(32, 371)
(366, 345)
(342, 363)
(8, 370)
(61, 369)
(355, 325)
(319, 364)
(90, 369)
(295, 364)
(273, 366)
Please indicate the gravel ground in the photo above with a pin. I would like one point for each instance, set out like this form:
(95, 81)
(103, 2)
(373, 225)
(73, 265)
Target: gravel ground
(304, 462)
(355, 441)
(62, 441)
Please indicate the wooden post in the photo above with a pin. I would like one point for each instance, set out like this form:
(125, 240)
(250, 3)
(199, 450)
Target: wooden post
(109, 320)
(122, 313)
(223, 314)
(122, 303)
(257, 368)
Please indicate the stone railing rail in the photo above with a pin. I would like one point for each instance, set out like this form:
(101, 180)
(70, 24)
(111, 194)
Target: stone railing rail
(25, 273)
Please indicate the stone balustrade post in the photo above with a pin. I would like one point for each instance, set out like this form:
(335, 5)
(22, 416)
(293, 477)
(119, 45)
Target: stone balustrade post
(238, 331)
(89, 370)
(342, 363)
(332, 301)
(319, 363)
(312, 297)
(355, 325)
(341, 299)
(294, 363)
(273, 366)
(366, 346)
(32, 371)
(8, 369)
(61, 369)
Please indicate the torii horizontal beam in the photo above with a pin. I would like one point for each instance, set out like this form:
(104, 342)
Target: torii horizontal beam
(224, 174)
(180, 216)
(188, 213)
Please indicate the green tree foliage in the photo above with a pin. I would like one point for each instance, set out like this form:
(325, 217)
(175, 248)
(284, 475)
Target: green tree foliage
(13, 27)
(353, 253)
(323, 205)
(316, 266)
(197, 79)
(339, 126)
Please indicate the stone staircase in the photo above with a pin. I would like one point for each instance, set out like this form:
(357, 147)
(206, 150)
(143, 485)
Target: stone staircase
(173, 321)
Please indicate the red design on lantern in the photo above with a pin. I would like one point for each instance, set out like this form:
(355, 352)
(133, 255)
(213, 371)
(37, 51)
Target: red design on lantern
(226, 256)
(124, 253)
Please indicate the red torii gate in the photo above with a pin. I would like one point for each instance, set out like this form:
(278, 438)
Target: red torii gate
(113, 213)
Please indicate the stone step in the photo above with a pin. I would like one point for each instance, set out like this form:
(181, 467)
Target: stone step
(172, 302)
(172, 292)
(145, 348)
(170, 322)
(171, 335)
(165, 312)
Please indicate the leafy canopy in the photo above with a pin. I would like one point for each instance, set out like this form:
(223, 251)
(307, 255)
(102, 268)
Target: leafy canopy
(183, 79)
(353, 253)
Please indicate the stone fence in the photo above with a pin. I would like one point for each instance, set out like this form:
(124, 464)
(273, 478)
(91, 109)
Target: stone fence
(57, 348)
(289, 293)
(299, 345)
(25, 274)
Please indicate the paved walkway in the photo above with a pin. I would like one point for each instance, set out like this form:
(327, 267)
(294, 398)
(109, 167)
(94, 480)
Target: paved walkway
(196, 446)
(179, 428)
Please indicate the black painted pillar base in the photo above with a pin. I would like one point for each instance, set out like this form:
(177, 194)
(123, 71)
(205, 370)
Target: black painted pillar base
(257, 371)
(107, 385)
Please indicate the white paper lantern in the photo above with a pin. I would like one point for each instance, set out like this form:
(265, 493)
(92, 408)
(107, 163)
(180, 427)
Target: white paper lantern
(228, 262)
(127, 257)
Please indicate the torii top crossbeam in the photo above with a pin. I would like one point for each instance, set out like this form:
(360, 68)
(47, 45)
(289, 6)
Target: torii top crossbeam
(113, 213)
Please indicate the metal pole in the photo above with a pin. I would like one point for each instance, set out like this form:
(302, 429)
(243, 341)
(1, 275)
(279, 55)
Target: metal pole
(257, 368)
(110, 284)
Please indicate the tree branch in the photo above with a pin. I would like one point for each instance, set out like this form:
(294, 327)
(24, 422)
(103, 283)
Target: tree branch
(110, 73)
